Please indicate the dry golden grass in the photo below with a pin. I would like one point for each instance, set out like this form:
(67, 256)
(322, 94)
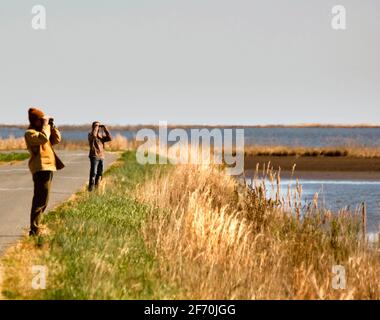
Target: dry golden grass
(18, 262)
(350, 151)
(218, 239)
(119, 143)
(12, 143)
(1, 281)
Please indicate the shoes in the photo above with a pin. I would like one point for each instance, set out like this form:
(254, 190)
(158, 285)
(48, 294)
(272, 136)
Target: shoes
(98, 181)
(42, 230)
(34, 233)
(95, 184)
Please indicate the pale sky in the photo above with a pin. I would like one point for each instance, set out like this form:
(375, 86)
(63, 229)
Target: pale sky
(191, 62)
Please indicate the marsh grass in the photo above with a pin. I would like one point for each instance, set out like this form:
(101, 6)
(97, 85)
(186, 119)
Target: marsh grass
(12, 143)
(218, 239)
(286, 151)
(118, 143)
(193, 232)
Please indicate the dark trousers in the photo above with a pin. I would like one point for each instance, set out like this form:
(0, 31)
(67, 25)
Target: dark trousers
(96, 172)
(42, 184)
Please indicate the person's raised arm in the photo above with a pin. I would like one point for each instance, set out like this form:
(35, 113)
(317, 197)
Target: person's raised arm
(56, 136)
(93, 134)
(37, 138)
(94, 131)
(107, 135)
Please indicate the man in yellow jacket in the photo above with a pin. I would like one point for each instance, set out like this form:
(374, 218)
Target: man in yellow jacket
(40, 138)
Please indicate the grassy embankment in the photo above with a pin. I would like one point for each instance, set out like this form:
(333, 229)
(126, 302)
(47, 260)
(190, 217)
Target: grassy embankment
(13, 157)
(94, 248)
(193, 232)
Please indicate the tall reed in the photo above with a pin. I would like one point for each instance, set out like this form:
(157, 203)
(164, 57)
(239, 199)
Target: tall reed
(12, 143)
(221, 239)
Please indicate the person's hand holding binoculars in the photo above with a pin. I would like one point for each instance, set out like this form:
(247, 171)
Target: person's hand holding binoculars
(48, 121)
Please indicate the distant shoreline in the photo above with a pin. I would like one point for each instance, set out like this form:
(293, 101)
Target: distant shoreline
(155, 126)
(329, 167)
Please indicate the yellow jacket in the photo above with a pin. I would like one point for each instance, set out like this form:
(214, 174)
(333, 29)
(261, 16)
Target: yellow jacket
(40, 146)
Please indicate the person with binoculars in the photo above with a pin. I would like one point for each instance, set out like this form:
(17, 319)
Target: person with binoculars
(40, 138)
(98, 136)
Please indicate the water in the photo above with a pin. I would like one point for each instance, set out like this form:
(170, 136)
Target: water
(335, 193)
(338, 194)
(308, 137)
(313, 137)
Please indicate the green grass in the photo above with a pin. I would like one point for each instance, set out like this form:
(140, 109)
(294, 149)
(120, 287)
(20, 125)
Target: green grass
(95, 248)
(13, 156)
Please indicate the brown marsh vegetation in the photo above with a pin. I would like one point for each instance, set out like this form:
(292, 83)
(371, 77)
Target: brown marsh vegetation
(220, 239)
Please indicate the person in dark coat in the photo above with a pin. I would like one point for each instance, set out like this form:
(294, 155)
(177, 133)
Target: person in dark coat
(98, 136)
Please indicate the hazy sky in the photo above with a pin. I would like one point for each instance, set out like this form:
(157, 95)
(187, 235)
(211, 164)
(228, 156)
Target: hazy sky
(191, 61)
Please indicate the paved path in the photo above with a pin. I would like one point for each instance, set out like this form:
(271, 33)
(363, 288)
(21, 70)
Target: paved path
(16, 191)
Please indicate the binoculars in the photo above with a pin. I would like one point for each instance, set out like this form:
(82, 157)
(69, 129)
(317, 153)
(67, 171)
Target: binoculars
(51, 121)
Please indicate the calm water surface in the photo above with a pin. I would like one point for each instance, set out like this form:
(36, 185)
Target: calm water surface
(338, 194)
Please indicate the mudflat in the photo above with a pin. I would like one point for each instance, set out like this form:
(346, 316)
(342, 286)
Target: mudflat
(320, 167)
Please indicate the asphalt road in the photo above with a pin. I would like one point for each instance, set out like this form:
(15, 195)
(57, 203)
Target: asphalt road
(16, 192)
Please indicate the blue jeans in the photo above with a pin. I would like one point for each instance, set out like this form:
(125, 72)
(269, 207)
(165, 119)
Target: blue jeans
(96, 172)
